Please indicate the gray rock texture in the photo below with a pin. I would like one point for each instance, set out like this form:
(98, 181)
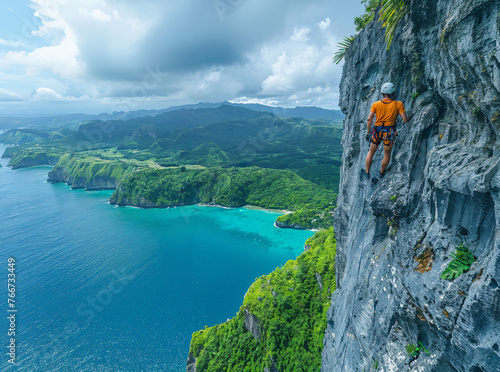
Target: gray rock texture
(444, 185)
(33, 160)
(286, 225)
(103, 182)
(252, 324)
(191, 363)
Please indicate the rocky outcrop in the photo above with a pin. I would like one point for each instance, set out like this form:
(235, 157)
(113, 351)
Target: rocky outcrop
(252, 324)
(287, 225)
(280, 324)
(191, 363)
(442, 187)
(273, 367)
(60, 174)
(31, 159)
(89, 174)
(9, 152)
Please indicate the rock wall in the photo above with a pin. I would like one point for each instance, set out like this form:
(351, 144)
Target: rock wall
(34, 159)
(19, 158)
(89, 174)
(443, 185)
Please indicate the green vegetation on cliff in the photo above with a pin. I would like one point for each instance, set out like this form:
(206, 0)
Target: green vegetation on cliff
(21, 157)
(233, 187)
(105, 152)
(307, 219)
(370, 7)
(222, 137)
(21, 136)
(288, 308)
(90, 172)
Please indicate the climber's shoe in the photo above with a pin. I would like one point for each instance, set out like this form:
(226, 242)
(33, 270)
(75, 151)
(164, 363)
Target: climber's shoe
(378, 177)
(365, 174)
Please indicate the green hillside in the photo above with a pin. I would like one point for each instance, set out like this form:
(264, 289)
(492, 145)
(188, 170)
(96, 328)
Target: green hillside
(282, 320)
(227, 137)
(233, 187)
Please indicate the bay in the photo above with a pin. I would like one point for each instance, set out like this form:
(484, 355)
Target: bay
(105, 288)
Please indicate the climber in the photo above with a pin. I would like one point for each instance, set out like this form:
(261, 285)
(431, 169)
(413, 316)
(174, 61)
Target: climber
(387, 111)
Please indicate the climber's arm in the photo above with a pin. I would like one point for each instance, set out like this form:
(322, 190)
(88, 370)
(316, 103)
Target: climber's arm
(369, 122)
(405, 118)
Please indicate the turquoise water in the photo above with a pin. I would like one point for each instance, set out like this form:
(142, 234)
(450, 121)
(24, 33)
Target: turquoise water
(102, 288)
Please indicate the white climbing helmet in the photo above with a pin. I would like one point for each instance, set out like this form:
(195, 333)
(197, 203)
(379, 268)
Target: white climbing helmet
(388, 88)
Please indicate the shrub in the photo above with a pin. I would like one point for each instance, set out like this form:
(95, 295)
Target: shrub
(370, 7)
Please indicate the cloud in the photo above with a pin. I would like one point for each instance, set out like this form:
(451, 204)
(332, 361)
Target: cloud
(325, 23)
(300, 34)
(302, 64)
(261, 101)
(129, 53)
(8, 96)
(60, 58)
(11, 43)
(47, 94)
(96, 14)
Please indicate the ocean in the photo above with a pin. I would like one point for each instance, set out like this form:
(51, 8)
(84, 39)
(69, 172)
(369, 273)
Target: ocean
(106, 288)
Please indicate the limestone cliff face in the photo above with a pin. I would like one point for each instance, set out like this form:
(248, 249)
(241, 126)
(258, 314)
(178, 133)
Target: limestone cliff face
(443, 183)
(33, 159)
(89, 174)
(287, 225)
(92, 182)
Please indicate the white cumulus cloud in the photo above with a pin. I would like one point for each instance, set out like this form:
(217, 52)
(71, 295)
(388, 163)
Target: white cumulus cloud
(300, 34)
(325, 23)
(103, 52)
(96, 14)
(47, 94)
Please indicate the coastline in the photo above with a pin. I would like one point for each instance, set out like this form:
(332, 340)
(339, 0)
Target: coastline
(211, 205)
(294, 228)
(281, 211)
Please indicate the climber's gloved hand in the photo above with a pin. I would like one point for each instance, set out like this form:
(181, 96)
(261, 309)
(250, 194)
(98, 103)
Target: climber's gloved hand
(368, 137)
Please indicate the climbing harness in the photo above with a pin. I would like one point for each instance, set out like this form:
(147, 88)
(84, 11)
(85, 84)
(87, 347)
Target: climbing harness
(382, 133)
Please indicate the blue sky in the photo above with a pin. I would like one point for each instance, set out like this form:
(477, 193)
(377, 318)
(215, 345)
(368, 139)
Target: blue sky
(63, 56)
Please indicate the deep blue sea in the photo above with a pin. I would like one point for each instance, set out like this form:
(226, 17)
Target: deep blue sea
(102, 288)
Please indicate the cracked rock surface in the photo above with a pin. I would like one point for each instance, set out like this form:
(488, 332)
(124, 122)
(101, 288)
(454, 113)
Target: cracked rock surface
(443, 186)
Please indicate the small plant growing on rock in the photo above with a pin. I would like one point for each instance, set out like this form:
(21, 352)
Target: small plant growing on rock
(394, 197)
(393, 224)
(476, 111)
(414, 350)
(462, 261)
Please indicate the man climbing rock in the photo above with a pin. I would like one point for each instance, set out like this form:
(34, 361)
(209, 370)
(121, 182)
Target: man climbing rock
(386, 111)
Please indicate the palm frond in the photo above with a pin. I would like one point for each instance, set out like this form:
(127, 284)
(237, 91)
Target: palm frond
(391, 11)
(343, 48)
